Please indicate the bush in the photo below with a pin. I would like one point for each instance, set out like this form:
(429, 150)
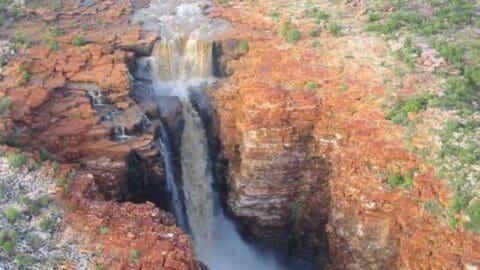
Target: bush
(11, 214)
(7, 241)
(459, 203)
(23, 261)
(243, 46)
(314, 32)
(134, 254)
(373, 17)
(47, 224)
(17, 161)
(43, 154)
(79, 41)
(453, 53)
(399, 113)
(5, 104)
(473, 212)
(104, 230)
(335, 29)
(52, 44)
(57, 31)
(290, 33)
(397, 180)
(312, 86)
(433, 206)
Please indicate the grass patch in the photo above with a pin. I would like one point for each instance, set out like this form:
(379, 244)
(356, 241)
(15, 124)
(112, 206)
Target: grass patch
(399, 113)
(79, 41)
(8, 241)
(43, 154)
(433, 206)
(312, 87)
(134, 255)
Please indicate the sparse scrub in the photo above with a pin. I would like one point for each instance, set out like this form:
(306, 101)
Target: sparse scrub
(104, 230)
(409, 52)
(23, 261)
(473, 212)
(47, 224)
(399, 113)
(24, 74)
(314, 32)
(67, 182)
(312, 86)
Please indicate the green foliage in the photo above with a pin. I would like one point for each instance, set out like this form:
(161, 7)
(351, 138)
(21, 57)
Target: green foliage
(57, 31)
(314, 32)
(47, 224)
(317, 15)
(243, 46)
(459, 203)
(433, 206)
(290, 32)
(23, 261)
(409, 52)
(25, 75)
(43, 154)
(373, 17)
(52, 44)
(79, 41)
(335, 29)
(16, 161)
(8, 241)
(312, 86)
(399, 113)
(67, 182)
(473, 212)
(5, 104)
(104, 230)
(397, 180)
(11, 214)
(100, 267)
(134, 255)
(453, 53)
(34, 207)
(223, 2)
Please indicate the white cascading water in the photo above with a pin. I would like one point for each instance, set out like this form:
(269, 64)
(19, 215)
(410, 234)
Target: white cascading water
(181, 62)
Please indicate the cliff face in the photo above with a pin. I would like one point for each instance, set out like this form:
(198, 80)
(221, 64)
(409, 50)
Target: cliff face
(274, 168)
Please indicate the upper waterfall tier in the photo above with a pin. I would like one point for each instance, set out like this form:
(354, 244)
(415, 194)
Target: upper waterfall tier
(182, 58)
(188, 17)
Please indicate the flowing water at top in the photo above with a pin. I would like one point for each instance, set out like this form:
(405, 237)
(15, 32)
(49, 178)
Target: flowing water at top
(181, 62)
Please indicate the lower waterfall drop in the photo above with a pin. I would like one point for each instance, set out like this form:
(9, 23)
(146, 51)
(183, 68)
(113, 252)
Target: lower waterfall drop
(179, 67)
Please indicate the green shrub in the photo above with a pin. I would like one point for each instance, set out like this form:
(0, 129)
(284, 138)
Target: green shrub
(314, 32)
(397, 180)
(17, 161)
(104, 230)
(335, 29)
(373, 17)
(23, 261)
(67, 182)
(52, 44)
(473, 212)
(459, 203)
(43, 154)
(100, 267)
(243, 46)
(312, 86)
(24, 74)
(7, 241)
(34, 206)
(11, 214)
(134, 254)
(453, 53)
(433, 206)
(79, 41)
(57, 31)
(47, 224)
(290, 33)
(5, 104)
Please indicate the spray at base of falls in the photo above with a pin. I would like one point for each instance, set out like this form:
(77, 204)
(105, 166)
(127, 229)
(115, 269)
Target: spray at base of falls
(181, 66)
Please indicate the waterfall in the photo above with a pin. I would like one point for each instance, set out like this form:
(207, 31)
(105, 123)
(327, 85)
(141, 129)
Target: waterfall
(180, 63)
